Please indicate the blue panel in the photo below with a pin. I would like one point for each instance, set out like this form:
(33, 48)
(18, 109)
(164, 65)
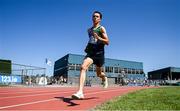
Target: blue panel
(175, 69)
(75, 59)
(123, 63)
(8, 79)
(78, 59)
(135, 76)
(72, 73)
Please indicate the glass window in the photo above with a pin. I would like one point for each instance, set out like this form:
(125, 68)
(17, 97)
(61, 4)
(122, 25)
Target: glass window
(120, 70)
(71, 66)
(115, 69)
(107, 69)
(137, 71)
(129, 70)
(110, 69)
(78, 67)
(133, 71)
(125, 70)
(90, 68)
(141, 72)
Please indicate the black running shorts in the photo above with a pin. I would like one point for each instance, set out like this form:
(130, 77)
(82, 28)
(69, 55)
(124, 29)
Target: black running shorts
(98, 58)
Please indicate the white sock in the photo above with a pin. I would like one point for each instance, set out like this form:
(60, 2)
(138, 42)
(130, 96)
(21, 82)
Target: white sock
(80, 92)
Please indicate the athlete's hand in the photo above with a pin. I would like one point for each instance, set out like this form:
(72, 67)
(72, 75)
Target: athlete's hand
(95, 35)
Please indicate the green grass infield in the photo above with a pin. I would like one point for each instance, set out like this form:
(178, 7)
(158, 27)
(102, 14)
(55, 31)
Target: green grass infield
(162, 98)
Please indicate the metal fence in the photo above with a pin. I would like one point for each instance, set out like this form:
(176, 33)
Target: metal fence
(25, 75)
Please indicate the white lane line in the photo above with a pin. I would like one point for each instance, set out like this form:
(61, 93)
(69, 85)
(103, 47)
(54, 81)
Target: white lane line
(27, 103)
(105, 91)
(10, 106)
(31, 95)
(26, 92)
(35, 95)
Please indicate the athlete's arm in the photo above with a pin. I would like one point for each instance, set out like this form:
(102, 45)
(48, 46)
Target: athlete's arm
(104, 38)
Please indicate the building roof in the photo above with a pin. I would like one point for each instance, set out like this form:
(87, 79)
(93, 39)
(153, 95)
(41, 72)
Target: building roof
(172, 69)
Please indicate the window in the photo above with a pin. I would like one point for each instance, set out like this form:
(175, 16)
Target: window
(106, 69)
(109, 69)
(78, 67)
(71, 66)
(137, 71)
(133, 71)
(90, 68)
(126, 70)
(115, 69)
(120, 70)
(141, 72)
(129, 71)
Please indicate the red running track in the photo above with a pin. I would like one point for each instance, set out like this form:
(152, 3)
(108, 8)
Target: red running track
(57, 98)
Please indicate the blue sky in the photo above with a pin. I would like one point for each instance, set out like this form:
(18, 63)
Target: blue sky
(147, 31)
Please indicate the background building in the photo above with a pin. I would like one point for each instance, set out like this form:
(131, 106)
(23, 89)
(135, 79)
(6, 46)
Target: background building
(169, 73)
(68, 68)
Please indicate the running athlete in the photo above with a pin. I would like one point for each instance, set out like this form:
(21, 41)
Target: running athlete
(95, 53)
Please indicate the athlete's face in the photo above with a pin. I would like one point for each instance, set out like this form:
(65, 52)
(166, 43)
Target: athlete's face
(96, 18)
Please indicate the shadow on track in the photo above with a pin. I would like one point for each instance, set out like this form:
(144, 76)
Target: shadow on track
(69, 100)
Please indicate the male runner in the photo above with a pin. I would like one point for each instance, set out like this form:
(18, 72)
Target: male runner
(95, 53)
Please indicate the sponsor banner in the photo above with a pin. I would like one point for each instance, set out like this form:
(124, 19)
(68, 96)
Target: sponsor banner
(10, 79)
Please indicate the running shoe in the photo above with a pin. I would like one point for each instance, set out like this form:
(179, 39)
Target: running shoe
(105, 82)
(78, 96)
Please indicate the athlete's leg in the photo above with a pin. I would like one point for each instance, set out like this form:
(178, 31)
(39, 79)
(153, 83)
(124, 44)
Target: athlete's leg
(100, 73)
(86, 63)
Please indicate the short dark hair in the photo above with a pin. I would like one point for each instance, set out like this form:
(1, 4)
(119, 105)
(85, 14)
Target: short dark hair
(98, 13)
